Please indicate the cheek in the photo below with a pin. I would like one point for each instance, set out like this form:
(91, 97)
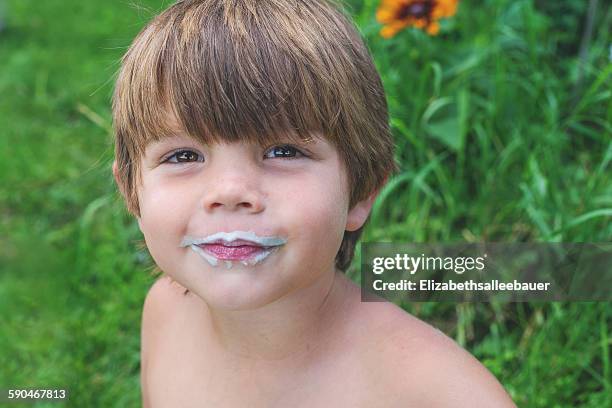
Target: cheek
(162, 200)
(162, 220)
(318, 213)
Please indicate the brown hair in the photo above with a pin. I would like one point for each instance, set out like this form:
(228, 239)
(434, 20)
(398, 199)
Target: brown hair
(251, 70)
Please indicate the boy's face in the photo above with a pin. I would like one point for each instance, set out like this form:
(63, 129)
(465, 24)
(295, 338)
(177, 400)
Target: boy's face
(298, 193)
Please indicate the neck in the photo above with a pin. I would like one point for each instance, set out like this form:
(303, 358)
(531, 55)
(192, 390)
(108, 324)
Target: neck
(288, 330)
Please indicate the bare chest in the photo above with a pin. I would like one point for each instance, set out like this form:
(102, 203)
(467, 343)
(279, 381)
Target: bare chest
(188, 374)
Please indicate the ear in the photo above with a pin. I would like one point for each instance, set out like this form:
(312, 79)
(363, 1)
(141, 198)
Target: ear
(358, 215)
(116, 171)
(116, 175)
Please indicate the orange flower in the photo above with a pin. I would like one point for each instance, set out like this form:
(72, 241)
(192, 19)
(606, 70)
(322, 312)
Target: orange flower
(396, 15)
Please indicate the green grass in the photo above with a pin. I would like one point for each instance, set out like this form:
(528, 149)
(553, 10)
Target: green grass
(503, 132)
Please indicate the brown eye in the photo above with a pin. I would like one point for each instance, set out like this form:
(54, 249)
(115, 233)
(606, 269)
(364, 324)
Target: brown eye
(283, 151)
(184, 156)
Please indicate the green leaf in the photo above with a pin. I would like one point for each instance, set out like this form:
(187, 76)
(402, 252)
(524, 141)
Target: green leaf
(446, 131)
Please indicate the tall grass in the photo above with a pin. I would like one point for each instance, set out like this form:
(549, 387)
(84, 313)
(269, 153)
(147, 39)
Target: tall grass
(503, 130)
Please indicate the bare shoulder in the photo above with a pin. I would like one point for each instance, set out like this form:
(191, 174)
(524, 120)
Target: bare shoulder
(423, 367)
(164, 310)
(162, 293)
(167, 306)
(163, 297)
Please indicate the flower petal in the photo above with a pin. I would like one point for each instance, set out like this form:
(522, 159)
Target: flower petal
(433, 28)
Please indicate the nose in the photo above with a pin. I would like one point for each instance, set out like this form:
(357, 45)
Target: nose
(233, 192)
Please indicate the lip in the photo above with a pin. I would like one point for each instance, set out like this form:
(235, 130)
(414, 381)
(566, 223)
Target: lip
(236, 243)
(228, 238)
(234, 251)
(245, 247)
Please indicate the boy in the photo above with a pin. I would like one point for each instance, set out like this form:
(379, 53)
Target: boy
(251, 141)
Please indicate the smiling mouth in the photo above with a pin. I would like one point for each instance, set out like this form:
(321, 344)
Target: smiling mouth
(244, 247)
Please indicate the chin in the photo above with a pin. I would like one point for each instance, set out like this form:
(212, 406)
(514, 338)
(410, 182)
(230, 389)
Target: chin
(236, 291)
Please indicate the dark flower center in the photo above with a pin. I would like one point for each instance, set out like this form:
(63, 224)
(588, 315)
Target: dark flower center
(417, 9)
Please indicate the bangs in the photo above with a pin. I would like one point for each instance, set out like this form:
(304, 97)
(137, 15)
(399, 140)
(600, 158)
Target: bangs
(232, 71)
